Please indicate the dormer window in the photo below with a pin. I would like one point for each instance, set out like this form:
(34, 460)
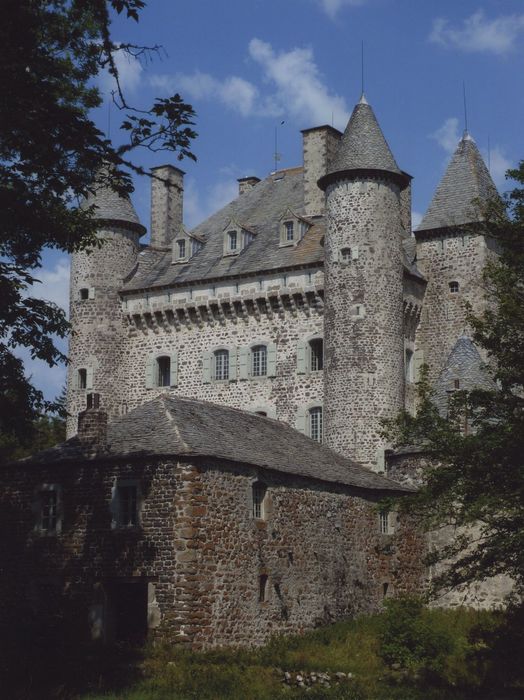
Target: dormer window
(292, 228)
(185, 246)
(232, 241)
(236, 238)
(181, 249)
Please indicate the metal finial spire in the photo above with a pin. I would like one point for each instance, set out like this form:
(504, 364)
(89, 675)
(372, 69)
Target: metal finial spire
(362, 67)
(465, 108)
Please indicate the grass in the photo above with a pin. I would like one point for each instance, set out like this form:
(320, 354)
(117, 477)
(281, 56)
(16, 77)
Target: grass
(459, 669)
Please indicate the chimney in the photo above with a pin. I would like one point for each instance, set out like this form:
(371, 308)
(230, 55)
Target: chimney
(247, 183)
(167, 196)
(92, 423)
(319, 145)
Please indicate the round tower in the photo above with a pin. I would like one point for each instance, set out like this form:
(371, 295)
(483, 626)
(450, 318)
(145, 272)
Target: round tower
(97, 339)
(363, 321)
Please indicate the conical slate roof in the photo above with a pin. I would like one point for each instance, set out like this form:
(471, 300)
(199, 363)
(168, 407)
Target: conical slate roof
(362, 146)
(465, 365)
(110, 206)
(465, 184)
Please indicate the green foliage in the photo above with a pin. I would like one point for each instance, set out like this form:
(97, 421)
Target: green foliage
(474, 481)
(50, 153)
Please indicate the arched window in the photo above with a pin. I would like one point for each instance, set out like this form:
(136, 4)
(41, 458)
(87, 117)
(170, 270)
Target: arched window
(259, 491)
(316, 354)
(315, 423)
(259, 361)
(221, 365)
(453, 287)
(163, 368)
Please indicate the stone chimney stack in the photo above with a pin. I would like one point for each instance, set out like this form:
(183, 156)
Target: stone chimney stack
(167, 197)
(319, 146)
(92, 423)
(247, 183)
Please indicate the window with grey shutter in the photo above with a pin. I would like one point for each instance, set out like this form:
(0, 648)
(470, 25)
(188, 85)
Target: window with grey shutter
(232, 363)
(243, 363)
(271, 360)
(150, 372)
(206, 367)
(301, 357)
(301, 420)
(174, 369)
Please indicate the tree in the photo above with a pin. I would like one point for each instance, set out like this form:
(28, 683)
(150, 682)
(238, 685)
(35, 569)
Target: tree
(50, 153)
(474, 482)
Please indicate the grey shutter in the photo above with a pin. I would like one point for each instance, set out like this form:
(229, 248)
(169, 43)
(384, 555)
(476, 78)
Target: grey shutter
(150, 372)
(91, 293)
(113, 506)
(244, 356)
(301, 420)
(89, 377)
(418, 361)
(74, 379)
(271, 360)
(354, 252)
(301, 357)
(232, 363)
(173, 379)
(206, 368)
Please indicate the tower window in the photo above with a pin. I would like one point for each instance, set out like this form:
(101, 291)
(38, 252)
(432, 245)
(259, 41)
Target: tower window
(345, 255)
(163, 366)
(221, 365)
(316, 354)
(84, 294)
(315, 423)
(408, 365)
(259, 491)
(82, 379)
(262, 589)
(453, 287)
(259, 361)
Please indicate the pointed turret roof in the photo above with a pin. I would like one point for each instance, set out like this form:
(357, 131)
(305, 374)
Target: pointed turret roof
(362, 147)
(465, 365)
(110, 206)
(466, 184)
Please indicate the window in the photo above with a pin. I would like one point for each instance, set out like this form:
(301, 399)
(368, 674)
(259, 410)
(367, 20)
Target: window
(261, 413)
(196, 246)
(289, 227)
(262, 589)
(232, 240)
(408, 365)
(221, 365)
(259, 361)
(345, 255)
(84, 294)
(316, 354)
(259, 496)
(163, 365)
(49, 519)
(125, 505)
(453, 287)
(385, 522)
(315, 423)
(82, 379)
(181, 249)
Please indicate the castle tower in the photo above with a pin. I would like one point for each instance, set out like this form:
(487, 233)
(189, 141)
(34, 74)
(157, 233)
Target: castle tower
(363, 340)
(96, 344)
(452, 250)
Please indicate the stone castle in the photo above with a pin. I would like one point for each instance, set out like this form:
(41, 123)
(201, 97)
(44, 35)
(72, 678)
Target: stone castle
(193, 498)
(307, 299)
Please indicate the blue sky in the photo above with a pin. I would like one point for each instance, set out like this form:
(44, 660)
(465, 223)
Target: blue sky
(248, 65)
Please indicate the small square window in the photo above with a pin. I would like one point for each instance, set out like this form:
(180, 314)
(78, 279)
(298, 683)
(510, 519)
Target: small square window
(84, 294)
(454, 287)
(82, 379)
(345, 255)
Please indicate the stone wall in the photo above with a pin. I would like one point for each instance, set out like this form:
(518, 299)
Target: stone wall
(364, 344)
(201, 551)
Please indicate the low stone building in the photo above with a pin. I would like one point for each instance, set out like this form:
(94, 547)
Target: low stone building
(208, 524)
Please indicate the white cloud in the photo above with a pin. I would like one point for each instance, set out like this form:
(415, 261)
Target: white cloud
(199, 205)
(53, 284)
(129, 74)
(416, 218)
(478, 33)
(331, 7)
(295, 88)
(448, 136)
(498, 164)
(299, 88)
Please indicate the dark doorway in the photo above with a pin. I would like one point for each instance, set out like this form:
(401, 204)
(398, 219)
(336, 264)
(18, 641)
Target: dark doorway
(128, 610)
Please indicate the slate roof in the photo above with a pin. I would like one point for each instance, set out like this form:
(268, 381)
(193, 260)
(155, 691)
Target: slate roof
(110, 206)
(465, 364)
(172, 426)
(259, 210)
(362, 146)
(466, 179)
